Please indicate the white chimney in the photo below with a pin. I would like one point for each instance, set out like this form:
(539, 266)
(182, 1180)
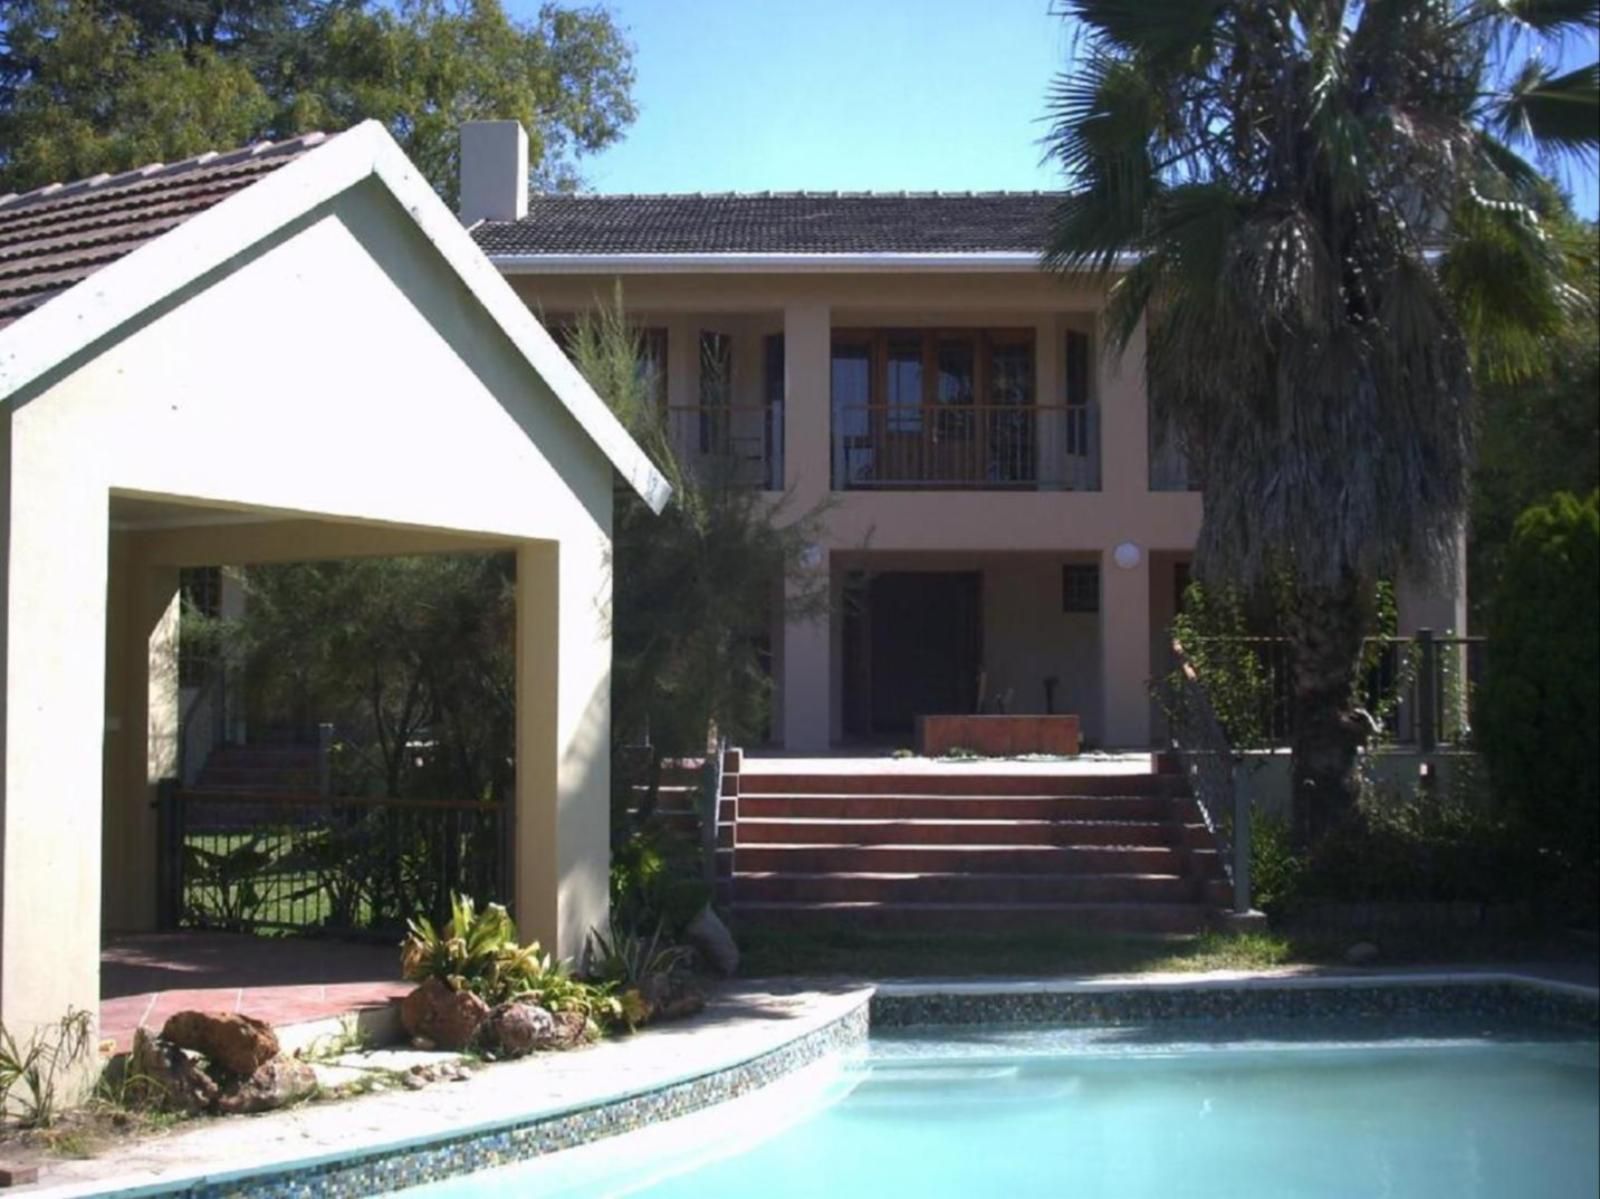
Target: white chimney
(494, 171)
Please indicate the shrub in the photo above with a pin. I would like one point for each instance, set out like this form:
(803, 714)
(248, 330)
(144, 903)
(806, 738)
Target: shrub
(1276, 871)
(1539, 712)
(657, 878)
(476, 951)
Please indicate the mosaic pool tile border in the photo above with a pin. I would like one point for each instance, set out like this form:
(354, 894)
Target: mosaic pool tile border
(388, 1170)
(1498, 998)
(1559, 1007)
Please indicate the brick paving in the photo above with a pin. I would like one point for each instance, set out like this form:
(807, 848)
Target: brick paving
(146, 978)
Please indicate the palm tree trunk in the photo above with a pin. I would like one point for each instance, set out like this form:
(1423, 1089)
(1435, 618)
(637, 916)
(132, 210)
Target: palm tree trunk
(1326, 626)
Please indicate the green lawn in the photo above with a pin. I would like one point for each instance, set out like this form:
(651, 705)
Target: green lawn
(884, 955)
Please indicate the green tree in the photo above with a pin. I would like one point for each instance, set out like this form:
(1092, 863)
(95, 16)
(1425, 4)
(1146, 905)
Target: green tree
(1539, 715)
(693, 588)
(1537, 435)
(1283, 173)
(106, 85)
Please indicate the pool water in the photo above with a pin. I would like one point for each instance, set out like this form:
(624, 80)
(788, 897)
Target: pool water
(1022, 1114)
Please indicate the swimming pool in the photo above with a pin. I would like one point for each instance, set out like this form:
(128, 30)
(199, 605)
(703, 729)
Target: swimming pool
(1183, 1110)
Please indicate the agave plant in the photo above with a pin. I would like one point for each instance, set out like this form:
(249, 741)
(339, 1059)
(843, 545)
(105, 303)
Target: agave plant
(476, 951)
(628, 959)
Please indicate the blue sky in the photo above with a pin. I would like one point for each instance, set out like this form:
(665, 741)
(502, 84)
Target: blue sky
(747, 95)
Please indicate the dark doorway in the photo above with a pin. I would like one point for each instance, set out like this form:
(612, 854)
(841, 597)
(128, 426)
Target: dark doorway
(924, 646)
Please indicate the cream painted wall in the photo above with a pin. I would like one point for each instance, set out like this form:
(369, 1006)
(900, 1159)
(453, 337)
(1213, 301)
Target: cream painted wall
(339, 371)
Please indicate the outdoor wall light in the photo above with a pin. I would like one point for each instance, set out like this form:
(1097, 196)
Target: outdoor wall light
(812, 557)
(1127, 555)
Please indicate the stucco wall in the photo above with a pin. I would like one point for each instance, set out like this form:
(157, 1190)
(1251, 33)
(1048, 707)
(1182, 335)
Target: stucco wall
(339, 371)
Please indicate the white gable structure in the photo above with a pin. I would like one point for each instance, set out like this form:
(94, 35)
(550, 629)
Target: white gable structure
(319, 364)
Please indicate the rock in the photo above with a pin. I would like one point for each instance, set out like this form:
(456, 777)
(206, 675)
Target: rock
(713, 942)
(671, 997)
(274, 1084)
(517, 1028)
(450, 1019)
(1361, 953)
(571, 1030)
(165, 1077)
(239, 1044)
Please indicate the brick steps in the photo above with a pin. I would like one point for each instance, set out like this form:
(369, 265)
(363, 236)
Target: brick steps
(1062, 833)
(958, 781)
(1138, 918)
(969, 849)
(964, 888)
(959, 807)
(948, 859)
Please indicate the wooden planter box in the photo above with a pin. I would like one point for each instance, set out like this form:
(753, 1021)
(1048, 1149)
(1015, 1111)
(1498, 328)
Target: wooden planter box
(997, 736)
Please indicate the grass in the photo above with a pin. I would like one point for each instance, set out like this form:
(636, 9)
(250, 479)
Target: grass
(955, 955)
(884, 955)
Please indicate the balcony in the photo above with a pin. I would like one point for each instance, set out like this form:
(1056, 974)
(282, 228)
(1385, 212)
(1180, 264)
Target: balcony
(739, 445)
(967, 447)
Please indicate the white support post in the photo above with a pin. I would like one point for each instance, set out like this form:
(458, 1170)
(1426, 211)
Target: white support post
(1125, 650)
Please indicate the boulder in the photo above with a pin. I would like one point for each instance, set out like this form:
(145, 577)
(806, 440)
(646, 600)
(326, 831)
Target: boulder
(449, 1019)
(671, 997)
(517, 1028)
(165, 1077)
(571, 1030)
(274, 1084)
(239, 1044)
(713, 942)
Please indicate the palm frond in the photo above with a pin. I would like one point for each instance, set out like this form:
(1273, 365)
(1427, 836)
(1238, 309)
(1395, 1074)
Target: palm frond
(1559, 112)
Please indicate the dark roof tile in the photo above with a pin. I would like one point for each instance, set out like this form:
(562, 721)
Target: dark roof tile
(58, 235)
(776, 223)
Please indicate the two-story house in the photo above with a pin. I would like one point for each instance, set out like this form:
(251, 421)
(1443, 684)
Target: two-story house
(1004, 532)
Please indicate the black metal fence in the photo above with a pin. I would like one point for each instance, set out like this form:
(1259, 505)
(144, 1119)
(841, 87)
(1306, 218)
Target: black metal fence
(1418, 691)
(266, 861)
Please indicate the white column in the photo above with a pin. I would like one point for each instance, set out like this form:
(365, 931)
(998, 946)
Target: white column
(1049, 352)
(53, 575)
(143, 612)
(1124, 418)
(1125, 651)
(562, 846)
(807, 471)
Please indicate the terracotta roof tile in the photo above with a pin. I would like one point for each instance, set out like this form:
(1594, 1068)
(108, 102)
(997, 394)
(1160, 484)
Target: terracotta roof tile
(58, 235)
(776, 223)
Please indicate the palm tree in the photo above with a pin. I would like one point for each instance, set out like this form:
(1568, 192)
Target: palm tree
(1327, 216)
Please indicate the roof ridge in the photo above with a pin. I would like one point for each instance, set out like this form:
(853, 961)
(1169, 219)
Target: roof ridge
(157, 170)
(837, 194)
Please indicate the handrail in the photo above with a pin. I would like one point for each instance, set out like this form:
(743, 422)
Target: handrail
(1198, 737)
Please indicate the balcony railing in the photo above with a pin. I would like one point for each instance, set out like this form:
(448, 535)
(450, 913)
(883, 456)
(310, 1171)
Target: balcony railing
(739, 444)
(989, 447)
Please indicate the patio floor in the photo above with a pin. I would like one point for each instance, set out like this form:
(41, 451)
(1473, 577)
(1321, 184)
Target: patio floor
(146, 978)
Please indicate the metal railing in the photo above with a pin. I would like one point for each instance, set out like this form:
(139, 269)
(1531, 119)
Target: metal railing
(1417, 691)
(248, 861)
(978, 447)
(1208, 761)
(741, 444)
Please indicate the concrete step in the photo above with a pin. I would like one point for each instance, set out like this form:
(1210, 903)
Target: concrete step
(981, 889)
(959, 782)
(1136, 918)
(805, 858)
(960, 807)
(962, 832)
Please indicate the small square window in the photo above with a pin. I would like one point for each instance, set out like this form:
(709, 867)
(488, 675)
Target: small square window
(1080, 587)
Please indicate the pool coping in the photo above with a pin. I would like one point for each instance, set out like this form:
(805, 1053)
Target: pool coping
(840, 1023)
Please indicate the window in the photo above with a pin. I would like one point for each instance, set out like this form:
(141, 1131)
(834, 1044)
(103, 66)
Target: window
(1011, 373)
(716, 391)
(903, 383)
(772, 369)
(653, 363)
(1080, 587)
